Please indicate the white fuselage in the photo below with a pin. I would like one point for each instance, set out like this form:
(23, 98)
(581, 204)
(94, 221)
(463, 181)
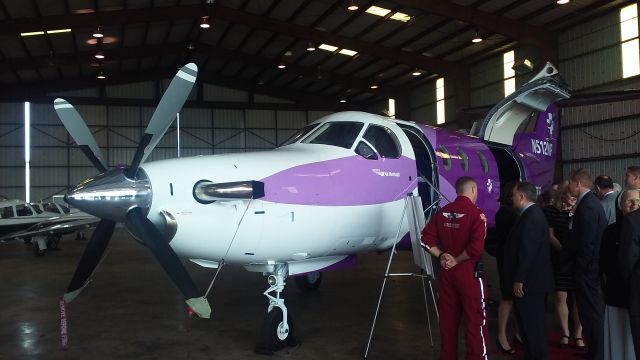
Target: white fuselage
(263, 230)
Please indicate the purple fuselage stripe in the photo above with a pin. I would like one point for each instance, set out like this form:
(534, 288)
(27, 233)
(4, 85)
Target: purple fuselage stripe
(348, 181)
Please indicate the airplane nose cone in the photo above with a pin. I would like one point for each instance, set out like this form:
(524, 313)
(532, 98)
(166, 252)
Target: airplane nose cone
(111, 194)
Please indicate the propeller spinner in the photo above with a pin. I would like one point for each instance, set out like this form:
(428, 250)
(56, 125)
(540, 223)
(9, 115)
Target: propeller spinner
(125, 195)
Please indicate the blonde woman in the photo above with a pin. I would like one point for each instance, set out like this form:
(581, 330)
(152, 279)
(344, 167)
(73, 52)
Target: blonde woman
(559, 214)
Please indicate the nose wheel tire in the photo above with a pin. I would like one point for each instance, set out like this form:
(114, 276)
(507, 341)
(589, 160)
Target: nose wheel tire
(53, 242)
(275, 334)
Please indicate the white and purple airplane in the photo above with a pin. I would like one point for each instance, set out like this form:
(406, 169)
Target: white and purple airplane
(335, 189)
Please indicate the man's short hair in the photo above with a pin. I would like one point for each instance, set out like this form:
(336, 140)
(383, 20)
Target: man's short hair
(528, 190)
(604, 182)
(582, 177)
(635, 170)
(463, 183)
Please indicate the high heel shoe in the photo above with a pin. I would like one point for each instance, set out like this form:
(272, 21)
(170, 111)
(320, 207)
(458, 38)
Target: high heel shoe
(581, 348)
(518, 339)
(564, 345)
(509, 351)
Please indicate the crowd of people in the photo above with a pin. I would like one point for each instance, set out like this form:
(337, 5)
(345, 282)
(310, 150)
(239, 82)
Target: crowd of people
(577, 244)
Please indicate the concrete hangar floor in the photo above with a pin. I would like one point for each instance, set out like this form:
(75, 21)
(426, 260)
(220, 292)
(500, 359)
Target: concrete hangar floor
(131, 310)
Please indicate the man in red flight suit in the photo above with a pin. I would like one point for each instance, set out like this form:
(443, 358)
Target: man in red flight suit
(456, 235)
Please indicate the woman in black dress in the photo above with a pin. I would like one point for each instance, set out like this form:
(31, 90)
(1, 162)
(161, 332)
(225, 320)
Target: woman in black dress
(559, 214)
(505, 218)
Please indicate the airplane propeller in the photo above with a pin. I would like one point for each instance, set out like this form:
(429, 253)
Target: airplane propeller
(124, 195)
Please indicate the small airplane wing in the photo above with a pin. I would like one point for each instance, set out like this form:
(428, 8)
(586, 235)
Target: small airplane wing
(55, 226)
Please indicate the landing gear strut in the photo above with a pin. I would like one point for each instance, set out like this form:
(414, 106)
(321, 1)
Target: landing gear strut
(277, 328)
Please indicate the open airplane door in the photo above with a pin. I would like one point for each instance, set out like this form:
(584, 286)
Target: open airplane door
(522, 130)
(511, 114)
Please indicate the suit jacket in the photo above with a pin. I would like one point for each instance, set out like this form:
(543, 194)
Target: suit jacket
(610, 204)
(630, 259)
(616, 293)
(588, 224)
(526, 252)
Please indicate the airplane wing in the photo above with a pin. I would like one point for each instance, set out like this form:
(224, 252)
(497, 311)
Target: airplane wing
(55, 226)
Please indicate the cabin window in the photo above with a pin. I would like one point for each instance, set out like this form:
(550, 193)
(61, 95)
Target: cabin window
(50, 207)
(446, 158)
(483, 162)
(300, 134)
(464, 160)
(383, 140)
(366, 151)
(23, 210)
(37, 208)
(340, 133)
(6, 212)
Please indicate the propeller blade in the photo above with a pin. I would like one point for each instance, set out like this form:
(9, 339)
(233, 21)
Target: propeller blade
(90, 258)
(165, 255)
(171, 103)
(79, 131)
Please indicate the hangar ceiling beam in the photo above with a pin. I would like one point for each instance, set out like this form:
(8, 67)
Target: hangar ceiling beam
(87, 57)
(27, 91)
(162, 14)
(517, 30)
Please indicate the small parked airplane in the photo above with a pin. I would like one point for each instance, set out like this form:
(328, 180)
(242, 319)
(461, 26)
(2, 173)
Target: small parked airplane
(335, 189)
(16, 215)
(45, 223)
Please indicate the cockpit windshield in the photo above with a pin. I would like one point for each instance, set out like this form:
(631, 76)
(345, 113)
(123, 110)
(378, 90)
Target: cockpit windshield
(338, 133)
(300, 134)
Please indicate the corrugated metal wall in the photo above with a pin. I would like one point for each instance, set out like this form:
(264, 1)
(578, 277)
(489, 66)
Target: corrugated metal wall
(602, 138)
(57, 164)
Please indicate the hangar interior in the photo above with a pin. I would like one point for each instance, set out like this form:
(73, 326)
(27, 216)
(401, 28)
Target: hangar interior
(267, 68)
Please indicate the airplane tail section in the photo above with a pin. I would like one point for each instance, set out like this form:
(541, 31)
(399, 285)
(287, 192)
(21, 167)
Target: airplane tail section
(526, 125)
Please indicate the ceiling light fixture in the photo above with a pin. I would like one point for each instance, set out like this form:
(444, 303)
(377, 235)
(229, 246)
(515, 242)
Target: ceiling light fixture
(99, 55)
(32, 33)
(416, 72)
(352, 6)
(98, 33)
(58, 31)
(101, 75)
(476, 37)
(281, 66)
(311, 47)
(562, 2)
(401, 17)
(374, 86)
(348, 52)
(328, 47)
(343, 100)
(205, 22)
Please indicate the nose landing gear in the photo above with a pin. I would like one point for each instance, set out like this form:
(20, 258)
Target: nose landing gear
(277, 328)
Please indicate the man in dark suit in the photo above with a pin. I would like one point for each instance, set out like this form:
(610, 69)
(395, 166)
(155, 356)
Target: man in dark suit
(527, 266)
(630, 270)
(588, 223)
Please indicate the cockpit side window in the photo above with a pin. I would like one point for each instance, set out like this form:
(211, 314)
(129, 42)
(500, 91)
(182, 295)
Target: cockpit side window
(383, 140)
(300, 134)
(366, 151)
(338, 133)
